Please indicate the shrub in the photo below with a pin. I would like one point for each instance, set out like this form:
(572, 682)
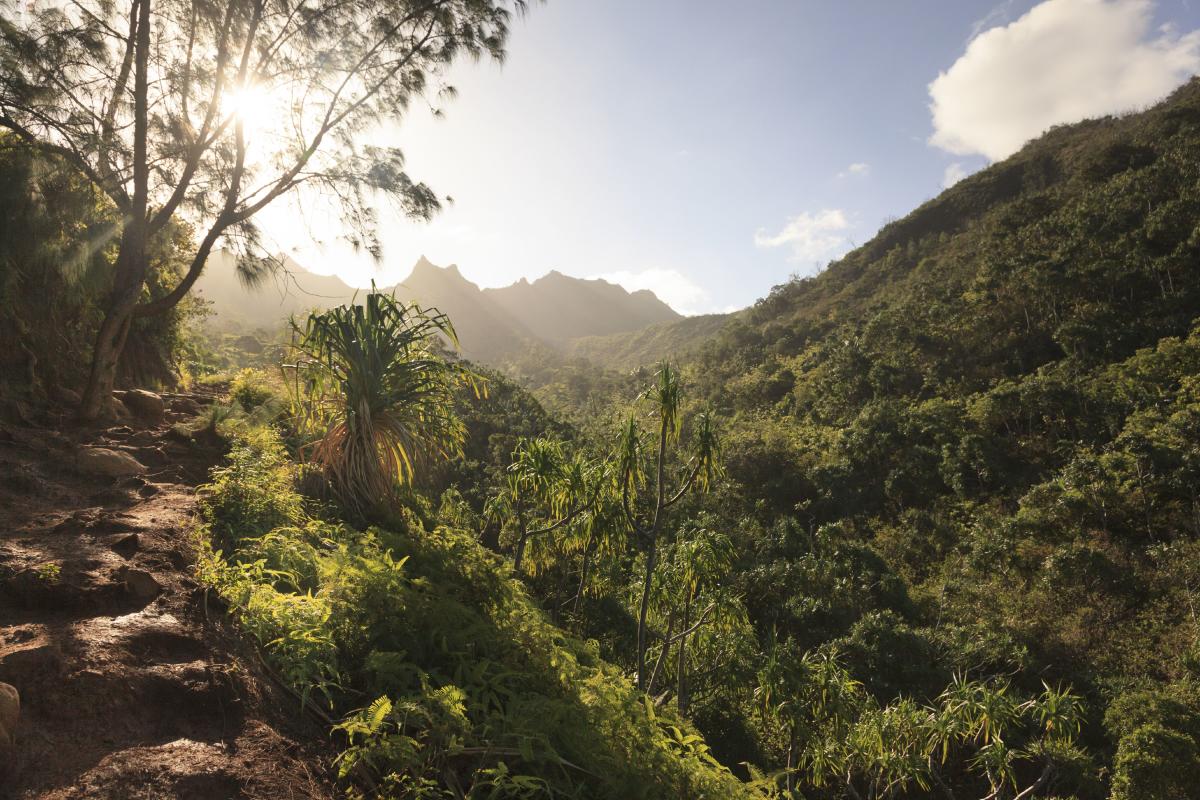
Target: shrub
(375, 397)
(251, 388)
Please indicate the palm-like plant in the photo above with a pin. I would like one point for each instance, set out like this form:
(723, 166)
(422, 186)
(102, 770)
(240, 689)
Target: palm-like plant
(645, 518)
(370, 389)
(544, 490)
(689, 593)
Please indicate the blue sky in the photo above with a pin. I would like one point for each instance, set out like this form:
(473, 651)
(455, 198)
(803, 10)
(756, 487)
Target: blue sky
(708, 150)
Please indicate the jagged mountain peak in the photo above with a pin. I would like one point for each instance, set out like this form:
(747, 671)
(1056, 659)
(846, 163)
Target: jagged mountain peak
(426, 269)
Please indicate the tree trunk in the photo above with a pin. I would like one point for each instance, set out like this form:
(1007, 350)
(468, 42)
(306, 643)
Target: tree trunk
(651, 558)
(681, 698)
(131, 257)
(519, 552)
(110, 339)
(583, 573)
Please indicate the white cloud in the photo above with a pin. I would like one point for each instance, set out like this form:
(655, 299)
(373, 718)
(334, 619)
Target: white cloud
(858, 168)
(811, 237)
(670, 285)
(1063, 61)
(954, 173)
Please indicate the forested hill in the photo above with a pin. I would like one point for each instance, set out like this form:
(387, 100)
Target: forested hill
(998, 397)
(1082, 245)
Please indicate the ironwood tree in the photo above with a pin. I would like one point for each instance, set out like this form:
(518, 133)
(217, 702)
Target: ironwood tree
(208, 111)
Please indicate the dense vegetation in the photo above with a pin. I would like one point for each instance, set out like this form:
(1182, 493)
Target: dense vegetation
(972, 445)
(961, 469)
(57, 249)
(469, 690)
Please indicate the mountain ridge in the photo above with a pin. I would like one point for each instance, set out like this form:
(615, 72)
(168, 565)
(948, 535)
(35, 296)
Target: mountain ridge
(494, 325)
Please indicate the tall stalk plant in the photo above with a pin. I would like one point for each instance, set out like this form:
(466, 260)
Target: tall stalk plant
(375, 398)
(648, 487)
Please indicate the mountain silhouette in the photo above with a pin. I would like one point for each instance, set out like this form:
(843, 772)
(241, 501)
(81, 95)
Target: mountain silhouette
(493, 325)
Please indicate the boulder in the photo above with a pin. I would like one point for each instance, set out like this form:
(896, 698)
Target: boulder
(38, 661)
(110, 463)
(125, 546)
(142, 403)
(186, 405)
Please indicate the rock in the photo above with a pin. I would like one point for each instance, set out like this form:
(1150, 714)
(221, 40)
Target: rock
(37, 661)
(116, 409)
(185, 405)
(111, 463)
(112, 496)
(143, 438)
(10, 710)
(141, 584)
(144, 404)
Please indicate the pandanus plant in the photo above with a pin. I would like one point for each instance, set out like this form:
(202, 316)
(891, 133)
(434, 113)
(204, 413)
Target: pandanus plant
(544, 490)
(370, 389)
(645, 493)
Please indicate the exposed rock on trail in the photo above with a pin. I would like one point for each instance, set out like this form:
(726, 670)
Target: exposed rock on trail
(127, 688)
(147, 405)
(109, 463)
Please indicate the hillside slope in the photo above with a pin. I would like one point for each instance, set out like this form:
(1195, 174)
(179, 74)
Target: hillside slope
(1083, 243)
(486, 332)
(672, 340)
(558, 308)
(998, 397)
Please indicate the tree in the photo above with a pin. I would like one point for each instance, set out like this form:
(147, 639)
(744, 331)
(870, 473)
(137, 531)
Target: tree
(377, 399)
(699, 611)
(152, 100)
(977, 733)
(801, 695)
(543, 491)
(645, 495)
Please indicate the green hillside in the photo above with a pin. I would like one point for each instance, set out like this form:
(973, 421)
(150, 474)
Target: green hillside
(926, 524)
(626, 351)
(998, 398)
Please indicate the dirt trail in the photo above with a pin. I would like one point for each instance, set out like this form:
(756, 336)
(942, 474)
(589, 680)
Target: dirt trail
(129, 688)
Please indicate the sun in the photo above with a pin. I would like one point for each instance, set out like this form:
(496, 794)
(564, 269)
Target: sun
(255, 106)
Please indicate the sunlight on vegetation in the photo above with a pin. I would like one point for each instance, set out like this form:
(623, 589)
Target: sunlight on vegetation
(474, 688)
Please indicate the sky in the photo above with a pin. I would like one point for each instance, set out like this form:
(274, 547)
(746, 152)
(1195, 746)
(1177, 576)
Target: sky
(709, 150)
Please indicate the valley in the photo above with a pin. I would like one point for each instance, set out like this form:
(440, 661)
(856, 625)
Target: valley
(922, 520)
